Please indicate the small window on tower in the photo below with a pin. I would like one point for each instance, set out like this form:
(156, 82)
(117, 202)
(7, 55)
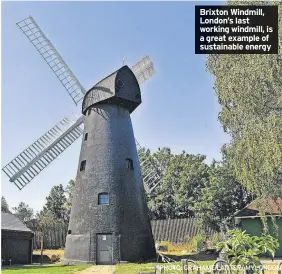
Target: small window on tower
(89, 111)
(82, 165)
(85, 136)
(103, 198)
(69, 232)
(129, 163)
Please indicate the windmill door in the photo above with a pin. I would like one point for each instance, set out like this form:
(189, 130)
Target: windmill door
(104, 249)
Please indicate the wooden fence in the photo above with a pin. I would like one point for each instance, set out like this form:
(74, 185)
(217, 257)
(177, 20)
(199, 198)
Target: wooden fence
(176, 230)
(172, 230)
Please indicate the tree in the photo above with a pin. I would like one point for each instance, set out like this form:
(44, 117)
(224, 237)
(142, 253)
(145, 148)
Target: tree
(23, 212)
(161, 200)
(4, 205)
(180, 188)
(70, 192)
(221, 196)
(46, 220)
(55, 205)
(249, 90)
(192, 173)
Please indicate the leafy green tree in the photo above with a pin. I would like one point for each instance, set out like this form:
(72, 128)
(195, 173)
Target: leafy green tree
(189, 187)
(221, 196)
(55, 205)
(191, 174)
(23, 212)
(70, 192)
(248, 88)
(251, 99)
(180, 188)
(161, 201)
(46, 219)
(4, 205)
(163, 155)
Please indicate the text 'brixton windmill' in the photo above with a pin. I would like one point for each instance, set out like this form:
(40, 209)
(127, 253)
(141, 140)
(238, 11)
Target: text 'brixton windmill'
(30, 162)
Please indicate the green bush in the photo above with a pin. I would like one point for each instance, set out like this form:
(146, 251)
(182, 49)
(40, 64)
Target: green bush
(214, 240)
(244, 250)
(198, 242)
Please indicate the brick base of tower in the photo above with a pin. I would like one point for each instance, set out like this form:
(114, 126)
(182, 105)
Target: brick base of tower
(124, 222)
(133, 249)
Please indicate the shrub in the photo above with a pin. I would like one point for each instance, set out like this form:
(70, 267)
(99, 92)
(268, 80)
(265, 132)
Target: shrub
(244, 250)
(198, 242)
(214, 240)
(174, 248)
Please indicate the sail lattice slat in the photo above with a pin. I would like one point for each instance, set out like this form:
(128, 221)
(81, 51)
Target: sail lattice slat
(143, 69)
(152, 170)
(29, 163)
(46, 49)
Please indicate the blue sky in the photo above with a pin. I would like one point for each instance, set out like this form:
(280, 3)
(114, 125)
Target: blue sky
(179, 108)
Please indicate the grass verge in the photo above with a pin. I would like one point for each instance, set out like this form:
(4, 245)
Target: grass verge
(44, 269)
(175, 268)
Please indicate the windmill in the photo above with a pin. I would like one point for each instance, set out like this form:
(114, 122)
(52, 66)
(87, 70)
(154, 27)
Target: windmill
(106, 108)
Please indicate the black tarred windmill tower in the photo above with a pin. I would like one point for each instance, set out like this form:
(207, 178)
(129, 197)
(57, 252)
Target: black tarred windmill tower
(109, 217)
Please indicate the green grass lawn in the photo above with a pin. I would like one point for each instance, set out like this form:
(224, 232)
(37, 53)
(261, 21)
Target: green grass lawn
(173, 268)
(45, 269)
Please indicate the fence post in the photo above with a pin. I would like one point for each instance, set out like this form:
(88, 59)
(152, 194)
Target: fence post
(184, 266)
(221, 264)
(159, 268)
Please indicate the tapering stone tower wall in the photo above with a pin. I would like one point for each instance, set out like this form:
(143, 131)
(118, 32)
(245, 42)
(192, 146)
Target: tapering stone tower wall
(109, 217)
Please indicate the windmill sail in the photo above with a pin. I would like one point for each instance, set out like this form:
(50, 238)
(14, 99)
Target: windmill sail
(29, 163)
(143, 69)
(46, 49)
(152, 170)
